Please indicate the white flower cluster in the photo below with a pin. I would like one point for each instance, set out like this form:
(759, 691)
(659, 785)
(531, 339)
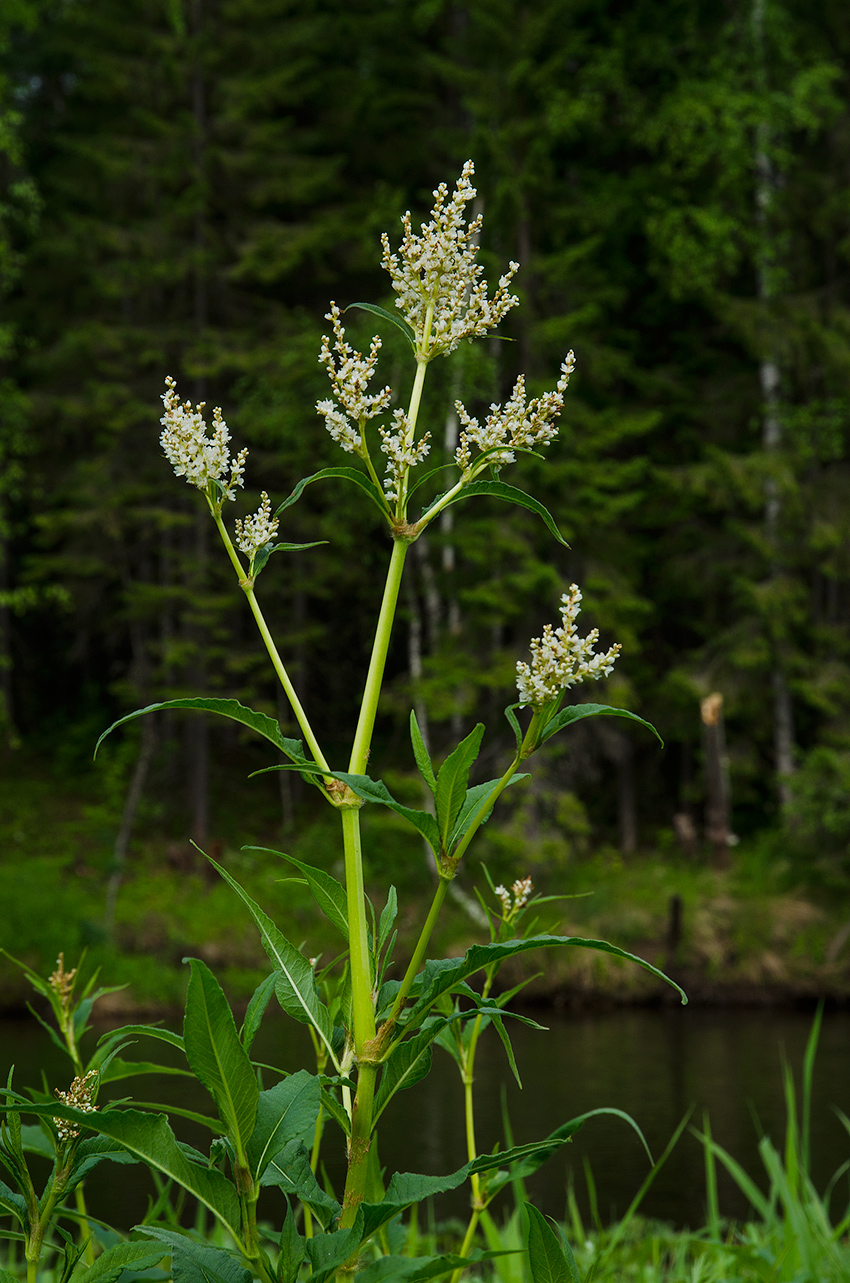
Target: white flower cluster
(560, 658)
(401, 452)
(516, 898)
(256, 531)
(435, 273)
(349, 373)
(78, 1096)
(201, 459)
(516, 423)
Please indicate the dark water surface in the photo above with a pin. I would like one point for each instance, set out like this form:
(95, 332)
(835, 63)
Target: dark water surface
(652, 1064)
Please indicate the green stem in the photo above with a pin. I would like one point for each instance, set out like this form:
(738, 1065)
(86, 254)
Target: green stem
(468, 1072)
(484, 809)
(314, 1164)
(277, 663)
(375, 676)
(418, 955)
(86, 1238)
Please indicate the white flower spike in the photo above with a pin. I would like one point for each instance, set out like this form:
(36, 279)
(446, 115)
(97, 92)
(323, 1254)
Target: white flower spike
(516, 424)
(437, 280)
(256, 531)
(349, 373)
(560, 658)
(203, 460)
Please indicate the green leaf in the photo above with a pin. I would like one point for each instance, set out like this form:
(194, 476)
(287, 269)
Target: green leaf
(442, 974)
(256, 1009)
(326, 891)
(293, 1249)
(90, 1153)
(287, 1111)
(290, 1171)
(262, 555)
(113, 1262)
(149, 1138)
(388, 917)
(150, 1031)
(474, 797)
(547, 1256)
(217, 1057)
(117, 1070)
(14, 1204)
(296, 983)
(376, 791)
(499, 490)
(452, 780)
(417, 1269)
(346, 474)
(510, 714)
(575, 712)
(265, 726)
(194, 1262)
(499, 1026)
(421, 754)
(406, 330)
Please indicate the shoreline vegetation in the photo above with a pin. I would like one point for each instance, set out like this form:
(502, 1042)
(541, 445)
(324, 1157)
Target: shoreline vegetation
(743, 935)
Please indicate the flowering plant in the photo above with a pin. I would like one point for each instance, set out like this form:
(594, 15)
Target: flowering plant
(373, 1035)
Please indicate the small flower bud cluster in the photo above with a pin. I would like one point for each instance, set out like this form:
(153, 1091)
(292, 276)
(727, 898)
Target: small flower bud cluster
(517, 423)
(349, 373)
(256, 531)
(62, 981)
(201, 459)
(435, 273)
(560, 658)
(401, 452)
(78, 1096)
(515, 899)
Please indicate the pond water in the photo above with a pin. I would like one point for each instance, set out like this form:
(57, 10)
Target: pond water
(654, 1064)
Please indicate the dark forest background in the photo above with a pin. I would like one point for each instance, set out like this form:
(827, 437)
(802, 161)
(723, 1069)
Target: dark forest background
(185, 184)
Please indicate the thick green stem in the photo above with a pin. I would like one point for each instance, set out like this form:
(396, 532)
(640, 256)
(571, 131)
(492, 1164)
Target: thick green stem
(363, 1010)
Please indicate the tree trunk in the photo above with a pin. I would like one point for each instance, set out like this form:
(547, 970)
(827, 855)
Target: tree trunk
(717, 801)
(770, 378)
(128, 816)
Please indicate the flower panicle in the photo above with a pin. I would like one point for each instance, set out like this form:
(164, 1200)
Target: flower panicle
(436, 278)
(254, 532)
(560, 658)
(515, 899)
(78, 1096)
(203, 460)
(349, 373)
(519, 423)
(402, 453)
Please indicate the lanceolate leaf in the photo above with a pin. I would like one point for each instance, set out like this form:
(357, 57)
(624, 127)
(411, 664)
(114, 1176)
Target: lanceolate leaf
(149, 1138)
(265, 552)
(290, 1170)
(441, 975)
(376, 791)
(151, 1031)
(296, 984)
(387, 316)
(260, 999)
(346, 474)
(576, 712)
(499, 490)
(474, 797)
(198, 1262)
(327, 892)
(217, 1057)
(259, 722)
(452, 779)
(113, 1262)
(13, 1203)
(547, 1255)
(420, 753)
(286, 1112)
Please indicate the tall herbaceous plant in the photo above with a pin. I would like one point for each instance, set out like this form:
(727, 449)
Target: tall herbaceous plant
(372, 1036)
